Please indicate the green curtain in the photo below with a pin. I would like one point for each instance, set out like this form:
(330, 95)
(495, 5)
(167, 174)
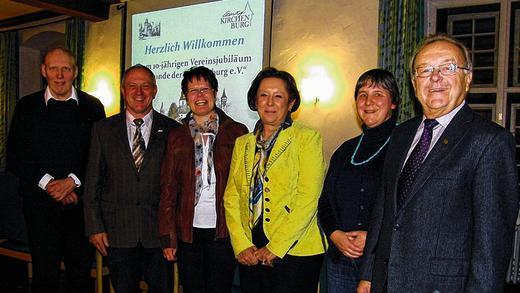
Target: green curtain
(8, 85)
(75, 41)
(401, 28)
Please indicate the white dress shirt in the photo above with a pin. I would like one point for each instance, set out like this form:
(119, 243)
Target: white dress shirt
(438, 130)
(146, 128)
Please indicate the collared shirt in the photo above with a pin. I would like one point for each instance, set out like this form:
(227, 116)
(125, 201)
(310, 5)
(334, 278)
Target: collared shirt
(438, 130)
(48, 95)
(48, 177)
(146, 127)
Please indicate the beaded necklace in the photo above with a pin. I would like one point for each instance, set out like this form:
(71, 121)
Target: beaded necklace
(371, 157)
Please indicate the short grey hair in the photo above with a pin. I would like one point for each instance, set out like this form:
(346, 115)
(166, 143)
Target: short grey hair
(138, 66)
(440, 38)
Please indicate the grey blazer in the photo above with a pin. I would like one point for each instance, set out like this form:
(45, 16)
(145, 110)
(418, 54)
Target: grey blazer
(117, 199)
(454, 231)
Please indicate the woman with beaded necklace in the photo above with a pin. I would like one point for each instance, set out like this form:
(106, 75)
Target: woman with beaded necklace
(353, 179)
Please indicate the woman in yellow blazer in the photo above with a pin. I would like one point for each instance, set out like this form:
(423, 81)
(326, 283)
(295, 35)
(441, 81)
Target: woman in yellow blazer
(272, 193)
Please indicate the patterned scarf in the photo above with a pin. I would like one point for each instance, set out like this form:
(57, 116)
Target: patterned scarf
(197, 131)
(256, 192)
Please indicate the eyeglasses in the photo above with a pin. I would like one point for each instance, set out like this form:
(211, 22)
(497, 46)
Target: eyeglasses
(445, 69)
(201, 91)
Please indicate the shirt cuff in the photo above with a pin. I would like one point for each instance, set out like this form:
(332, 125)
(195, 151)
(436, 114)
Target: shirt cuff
(44, 181)
(76, 179)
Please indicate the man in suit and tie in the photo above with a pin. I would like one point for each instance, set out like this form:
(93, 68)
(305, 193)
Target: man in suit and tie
(445, 216)
(47, 150)
(122, 187)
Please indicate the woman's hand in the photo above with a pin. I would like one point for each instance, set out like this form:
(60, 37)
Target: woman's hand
(359, 238)
(169, 254)
(363, 286)
(348, 242)
(265, 256)
(247, 257)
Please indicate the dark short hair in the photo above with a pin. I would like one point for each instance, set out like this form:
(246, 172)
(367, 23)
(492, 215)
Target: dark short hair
(198, 72)
(138, 66)
(290, 85)
(380, 78)
(441, 38)
(62, 49)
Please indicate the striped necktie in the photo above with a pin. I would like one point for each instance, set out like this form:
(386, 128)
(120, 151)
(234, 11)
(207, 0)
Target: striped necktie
(138, 145)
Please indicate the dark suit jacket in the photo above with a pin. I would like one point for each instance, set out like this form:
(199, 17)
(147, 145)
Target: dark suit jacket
(38, 145)
(454, 231)
(119, 200)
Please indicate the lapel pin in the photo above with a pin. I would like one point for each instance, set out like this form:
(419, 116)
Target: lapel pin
(159, 131)
(445, 141)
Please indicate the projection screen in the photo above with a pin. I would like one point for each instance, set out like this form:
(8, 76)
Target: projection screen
(226, 36)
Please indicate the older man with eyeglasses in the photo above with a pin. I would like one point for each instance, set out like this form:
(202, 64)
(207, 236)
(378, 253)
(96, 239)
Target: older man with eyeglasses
(444, 219)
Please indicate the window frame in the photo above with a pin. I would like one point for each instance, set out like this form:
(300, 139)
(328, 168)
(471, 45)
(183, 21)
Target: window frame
(501, 88)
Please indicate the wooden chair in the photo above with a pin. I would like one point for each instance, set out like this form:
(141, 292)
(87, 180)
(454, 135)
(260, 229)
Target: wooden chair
(103, 271)
(17, 251)
(22, 252)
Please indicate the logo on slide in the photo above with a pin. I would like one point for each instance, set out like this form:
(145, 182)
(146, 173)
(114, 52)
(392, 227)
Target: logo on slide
(238, 19)
(149, 30)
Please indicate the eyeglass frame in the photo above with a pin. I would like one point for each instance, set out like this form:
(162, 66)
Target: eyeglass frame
(438, 68)
(202, 91)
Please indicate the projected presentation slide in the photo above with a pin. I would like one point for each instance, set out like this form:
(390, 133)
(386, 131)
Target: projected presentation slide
(225, 36)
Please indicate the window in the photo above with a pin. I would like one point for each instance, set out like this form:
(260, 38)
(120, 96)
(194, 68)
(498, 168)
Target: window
(514, 46)
(492, 34)
(479, 32)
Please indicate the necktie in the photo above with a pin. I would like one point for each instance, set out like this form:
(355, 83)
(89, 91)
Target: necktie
(138, 145)
(414, 161)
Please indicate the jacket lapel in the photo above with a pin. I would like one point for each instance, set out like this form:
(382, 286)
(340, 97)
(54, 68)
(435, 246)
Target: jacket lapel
(444, 146)
(282, 142)
(249, 157)
(401, 141)
(158, 129)
(121, 133)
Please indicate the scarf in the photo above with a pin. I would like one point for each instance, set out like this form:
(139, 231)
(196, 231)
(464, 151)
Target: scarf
(197, 131)
(263, 149)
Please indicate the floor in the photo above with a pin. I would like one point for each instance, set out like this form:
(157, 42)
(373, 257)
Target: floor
(13, 278)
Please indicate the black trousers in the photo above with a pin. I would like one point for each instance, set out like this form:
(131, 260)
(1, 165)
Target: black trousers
(207, 265)
(292, 274)
(57, 233)
(129, 265)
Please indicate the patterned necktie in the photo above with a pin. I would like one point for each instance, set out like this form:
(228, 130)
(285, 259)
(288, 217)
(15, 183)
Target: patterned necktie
(138, 145)
(414, 161)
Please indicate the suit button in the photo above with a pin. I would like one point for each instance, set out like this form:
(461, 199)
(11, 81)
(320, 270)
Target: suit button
(396, 227)
(385, 262)
(137, 203)
(361, 207)
(362, 190)
(267, 210)
(266, 179)
(267, 199)
(267, 220)
(267, 189)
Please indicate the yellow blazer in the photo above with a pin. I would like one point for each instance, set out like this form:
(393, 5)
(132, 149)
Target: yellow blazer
(294, 172)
